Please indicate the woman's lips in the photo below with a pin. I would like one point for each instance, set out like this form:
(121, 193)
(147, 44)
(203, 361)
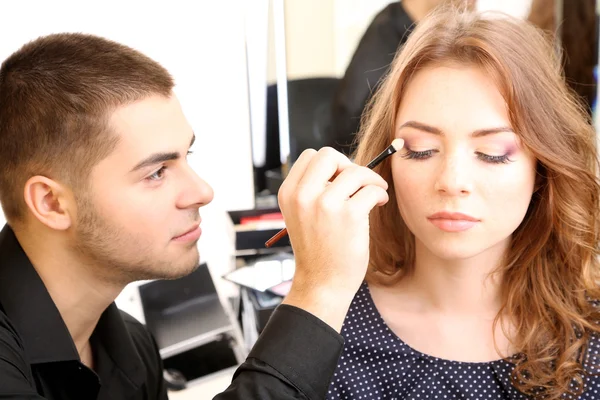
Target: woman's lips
(453, 221)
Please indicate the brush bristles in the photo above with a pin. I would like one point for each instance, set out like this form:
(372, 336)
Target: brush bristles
(397, 144)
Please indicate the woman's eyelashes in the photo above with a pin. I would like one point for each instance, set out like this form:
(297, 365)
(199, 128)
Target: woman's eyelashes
(418, 155)
(425, 154)
(493, 159)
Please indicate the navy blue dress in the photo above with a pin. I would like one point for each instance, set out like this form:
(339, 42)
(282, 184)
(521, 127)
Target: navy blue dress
(376, 364)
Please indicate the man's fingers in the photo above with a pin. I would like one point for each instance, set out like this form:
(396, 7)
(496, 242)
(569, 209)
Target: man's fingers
(351, 180)
(291, 182)
(299, 168)
(325, 165)
(367, 198)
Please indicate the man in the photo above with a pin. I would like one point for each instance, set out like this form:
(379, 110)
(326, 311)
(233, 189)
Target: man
(388, 31)
(97, 193)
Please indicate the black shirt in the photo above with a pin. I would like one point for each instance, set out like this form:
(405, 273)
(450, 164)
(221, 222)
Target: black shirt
(294, 357)
(370, 62)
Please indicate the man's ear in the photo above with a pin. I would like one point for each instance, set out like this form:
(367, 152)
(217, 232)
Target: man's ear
(50, 202)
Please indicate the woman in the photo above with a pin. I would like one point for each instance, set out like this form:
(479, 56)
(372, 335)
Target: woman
(483, 264)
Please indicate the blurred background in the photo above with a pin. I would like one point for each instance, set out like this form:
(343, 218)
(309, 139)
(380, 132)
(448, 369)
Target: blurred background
(260, 81)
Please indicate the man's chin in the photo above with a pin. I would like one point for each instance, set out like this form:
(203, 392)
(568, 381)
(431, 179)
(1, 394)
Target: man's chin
(179, 270)
(185, 271)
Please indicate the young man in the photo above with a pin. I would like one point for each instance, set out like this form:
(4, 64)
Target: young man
(97, 193)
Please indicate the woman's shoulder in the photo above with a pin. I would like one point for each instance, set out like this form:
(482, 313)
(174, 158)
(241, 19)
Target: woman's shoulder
(362, 311)
(362, 301)
(592, 358)
(591, 366)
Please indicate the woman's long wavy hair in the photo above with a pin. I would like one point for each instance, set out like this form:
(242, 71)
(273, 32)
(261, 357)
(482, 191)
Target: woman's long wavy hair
(550, 273)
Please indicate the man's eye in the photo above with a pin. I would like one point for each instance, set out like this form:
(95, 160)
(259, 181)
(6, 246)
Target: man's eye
(158, 175)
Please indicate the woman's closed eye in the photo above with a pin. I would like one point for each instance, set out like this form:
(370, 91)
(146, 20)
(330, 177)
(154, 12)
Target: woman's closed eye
(418, 155)
(425, 154)
(503, 159)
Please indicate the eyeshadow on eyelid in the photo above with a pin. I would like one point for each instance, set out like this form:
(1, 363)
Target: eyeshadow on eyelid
(496, 150)
(507, 149)
(494, 146)
(419, 143)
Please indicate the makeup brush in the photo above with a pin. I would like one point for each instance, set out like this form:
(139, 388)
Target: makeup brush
(396, 145)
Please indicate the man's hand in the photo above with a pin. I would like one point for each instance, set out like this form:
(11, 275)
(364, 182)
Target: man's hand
(326, 201)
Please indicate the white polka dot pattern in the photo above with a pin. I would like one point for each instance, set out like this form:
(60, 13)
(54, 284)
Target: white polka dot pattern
(376, 364)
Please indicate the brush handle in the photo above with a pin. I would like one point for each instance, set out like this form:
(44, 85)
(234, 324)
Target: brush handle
(375, 162)
(276, 238)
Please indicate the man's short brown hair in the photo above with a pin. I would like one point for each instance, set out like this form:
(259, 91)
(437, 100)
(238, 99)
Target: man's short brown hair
(56, 95)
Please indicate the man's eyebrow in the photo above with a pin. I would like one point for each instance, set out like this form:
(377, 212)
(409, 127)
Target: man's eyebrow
(158, 158)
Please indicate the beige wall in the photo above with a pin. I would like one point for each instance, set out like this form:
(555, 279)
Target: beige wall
(310, 36)
(321, 35)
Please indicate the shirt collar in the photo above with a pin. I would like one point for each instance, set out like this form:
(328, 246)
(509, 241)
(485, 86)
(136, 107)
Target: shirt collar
(28, 305)
(114, 337)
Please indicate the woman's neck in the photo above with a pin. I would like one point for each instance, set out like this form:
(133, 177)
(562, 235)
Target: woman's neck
(447, 308)
(465, 286)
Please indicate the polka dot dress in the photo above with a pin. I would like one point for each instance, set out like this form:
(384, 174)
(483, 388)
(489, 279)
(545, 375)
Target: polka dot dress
(376, 364)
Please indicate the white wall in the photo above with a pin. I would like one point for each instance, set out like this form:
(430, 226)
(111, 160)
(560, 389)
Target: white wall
(200, 43)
